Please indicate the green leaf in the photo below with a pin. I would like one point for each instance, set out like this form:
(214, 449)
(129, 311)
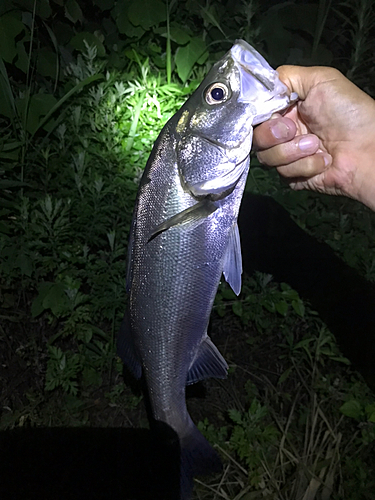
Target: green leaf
(147, 13)
(73, 11)
(236, 416)
(8, 300)
(281, 307)
(51, 296)
(303, 343)
(187, 56)
(370, 412)
(290, 294)
(221, 310)
(299, 307)
(10, 146)
(6, 6)
(237, 308)
(4, 228)
(37, 305)
(10, 28)
(43, 8)
(228, 294)
(39, 105)
(285, 375)
(91, 376)
(7, 104)
(125, 27)
(22, 61)
(341, 359)
(77, 87)
(56, 300)
(104, 4)
(179, 35)
(210, 15)
(47, 63)
(352, 409)
(24, 263)
(78, 42)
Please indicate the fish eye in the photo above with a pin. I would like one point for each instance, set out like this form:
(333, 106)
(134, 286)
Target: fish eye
(216, 93)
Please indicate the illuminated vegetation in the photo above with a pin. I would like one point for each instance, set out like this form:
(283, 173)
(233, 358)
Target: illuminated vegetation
(85, 88)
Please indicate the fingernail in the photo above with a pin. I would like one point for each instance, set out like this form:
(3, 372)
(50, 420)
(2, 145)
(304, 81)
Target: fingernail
(279, 130)
(327, 159)
(308, 144)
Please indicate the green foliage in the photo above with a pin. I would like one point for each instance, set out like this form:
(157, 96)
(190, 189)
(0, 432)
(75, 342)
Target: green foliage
(259, 297)
(253, 439)
(62, 370)
(65, 223)
(360, 406)
(214, 434)
(298, 436)
(84, 91)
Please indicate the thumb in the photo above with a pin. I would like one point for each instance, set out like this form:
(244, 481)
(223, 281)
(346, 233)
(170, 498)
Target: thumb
(302, 79)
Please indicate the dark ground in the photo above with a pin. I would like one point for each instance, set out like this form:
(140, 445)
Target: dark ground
(106, 459)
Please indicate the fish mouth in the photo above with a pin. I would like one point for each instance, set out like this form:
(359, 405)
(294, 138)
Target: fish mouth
(259, 82)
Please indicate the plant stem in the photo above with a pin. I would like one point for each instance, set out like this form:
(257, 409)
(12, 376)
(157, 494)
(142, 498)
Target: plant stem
(133, 128)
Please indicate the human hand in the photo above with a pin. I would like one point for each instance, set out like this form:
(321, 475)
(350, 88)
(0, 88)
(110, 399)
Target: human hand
(326, 141)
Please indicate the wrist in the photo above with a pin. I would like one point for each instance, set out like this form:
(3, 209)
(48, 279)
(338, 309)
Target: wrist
(366, 192)
(364, 179)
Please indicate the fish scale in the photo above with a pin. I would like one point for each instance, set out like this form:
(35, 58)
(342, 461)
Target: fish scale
(184, 236)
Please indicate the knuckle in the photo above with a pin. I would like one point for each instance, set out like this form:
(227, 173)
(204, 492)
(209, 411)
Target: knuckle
(260, 137)
(261, 157)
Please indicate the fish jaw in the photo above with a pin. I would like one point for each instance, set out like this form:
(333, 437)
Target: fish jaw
(260, 83)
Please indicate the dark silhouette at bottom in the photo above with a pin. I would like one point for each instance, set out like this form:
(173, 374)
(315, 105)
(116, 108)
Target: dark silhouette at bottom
(84, 463)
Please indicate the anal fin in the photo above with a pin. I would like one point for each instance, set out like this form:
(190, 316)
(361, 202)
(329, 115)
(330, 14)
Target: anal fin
(207, 363)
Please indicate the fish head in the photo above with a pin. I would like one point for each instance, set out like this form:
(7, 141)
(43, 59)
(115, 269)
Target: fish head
(260, 83)
(214, 127)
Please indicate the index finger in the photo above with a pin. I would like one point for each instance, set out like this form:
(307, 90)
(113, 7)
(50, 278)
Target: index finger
(275, 131)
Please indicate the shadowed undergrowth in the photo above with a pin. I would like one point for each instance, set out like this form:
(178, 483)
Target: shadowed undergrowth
(85, 88)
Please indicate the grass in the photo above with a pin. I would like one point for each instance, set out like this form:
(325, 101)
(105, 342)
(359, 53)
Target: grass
(293, 420)
(291, 436)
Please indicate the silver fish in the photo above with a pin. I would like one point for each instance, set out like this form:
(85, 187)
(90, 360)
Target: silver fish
(184, 236)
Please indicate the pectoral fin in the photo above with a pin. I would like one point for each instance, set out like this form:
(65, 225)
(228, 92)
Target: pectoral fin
(189, 218)
(208, 363)
(232, 268)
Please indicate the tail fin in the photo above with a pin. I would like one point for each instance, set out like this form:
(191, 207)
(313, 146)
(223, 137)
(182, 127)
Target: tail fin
(182, 459)
(198, 458)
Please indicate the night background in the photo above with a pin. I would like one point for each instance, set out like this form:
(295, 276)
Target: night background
(85, 88)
